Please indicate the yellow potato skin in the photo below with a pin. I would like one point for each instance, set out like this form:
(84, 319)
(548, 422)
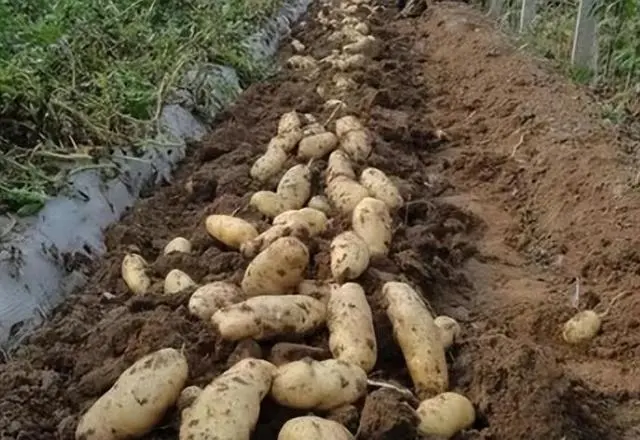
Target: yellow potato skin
(269, 204)
(348, 123)
(381, 188)
(445, 415)
(582, 327)
(349, 256)
(313, 428)
(339, 164)
(134, 274)
(345, 194)
(208, 299)
(232, 231)
(418, 337)
(357, 143)
(317, 146)
(271, 162)
(372, 222)
(288, 122)
(314, 219)
(176, 281)
(178, 244)
(278, 269)
(352, 337)
(295, 186)
(138, 400)
(228, 408)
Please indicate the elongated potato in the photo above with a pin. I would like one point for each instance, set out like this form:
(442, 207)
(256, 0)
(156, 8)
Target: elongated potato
(449, 330)
(445, 415)
(357, 145)
(313, 428)
(138, 400)
(345, 194)
(418, 338)
(320, 385)
(317, 146)
(228, 408)
(278, 269)
(320, 203)
(291, 229)
(269, 203)
(208, 299)
(339, 164)
(176, 281)
(286, 142)
(134, 274)
(349, 256)
(232, 231)
(178, 244)
(314, 219)
(319, 290)
(269, 164)
(352, 337)
(288, 122)
(295, 186)
(266, 317)
(372, 222)
(381, 188)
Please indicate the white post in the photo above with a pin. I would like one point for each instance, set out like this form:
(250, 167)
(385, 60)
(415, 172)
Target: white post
(527, 14)
(585, 39)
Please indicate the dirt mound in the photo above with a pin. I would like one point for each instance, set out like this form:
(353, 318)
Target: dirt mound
(495, 229)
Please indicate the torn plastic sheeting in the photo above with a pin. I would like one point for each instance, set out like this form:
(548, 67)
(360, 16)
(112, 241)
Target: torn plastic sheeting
(33, 276)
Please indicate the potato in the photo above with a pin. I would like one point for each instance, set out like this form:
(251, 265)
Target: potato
(231, 231)
(320, 203)
(339, 164)
(187, 397)
(228, 408)
(286, 142)
(313, 129)
(266, 317)
(319, 290)
(288, 122)
(313, 428)
(208, 299)
(269, 203)
(582, 327)
(291, 229)
(314, 219)
(352, 337)
(349, 256)
(278, 269)
(381, 188)
(363, 28)
(176, 281)
(134, 274)
(138, 400)
(317, 146)
(372, 222)
(270, 163)
(302, 62)
(418, 338)
(368, 46)
(449, 330)
(178, 244)
(318, 385)
(297, 46)
(295, 186)
(357, 145)
(345, 194)
(445, 415)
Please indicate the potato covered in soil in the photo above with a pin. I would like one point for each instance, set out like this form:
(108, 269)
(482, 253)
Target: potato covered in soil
(266, 317)
(357, 144)
(349, 256)
(231, 231)
(445, 415)
(368, 46)
(138, 400)
(313, 428)
(449, 330)
(318, 385)
(271, 162)
(134, 274)
(286, 142)
(372, 222)
(278, 269)
(339, 164)
(381, 188)
(313, 129)
(208, 299)
(418, 338)
(269, 203)
(320, 203)
(253, 247)
(178, 244)
(176, 281)
(314, 219)
(345, 194)
(289, 121)
(582, 327)
(347, 124)
(228, 408)
(352, 337)
(317, 146)
(295, 186)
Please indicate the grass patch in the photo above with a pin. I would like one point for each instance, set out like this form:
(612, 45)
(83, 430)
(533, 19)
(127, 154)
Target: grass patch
(78, 77)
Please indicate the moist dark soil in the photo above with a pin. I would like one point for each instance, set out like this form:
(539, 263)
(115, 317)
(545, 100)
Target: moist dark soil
(513, 189)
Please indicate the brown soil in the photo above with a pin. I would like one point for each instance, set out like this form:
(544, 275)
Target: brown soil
(515, 189)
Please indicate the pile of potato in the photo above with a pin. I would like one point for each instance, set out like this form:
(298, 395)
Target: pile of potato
(278, 299)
